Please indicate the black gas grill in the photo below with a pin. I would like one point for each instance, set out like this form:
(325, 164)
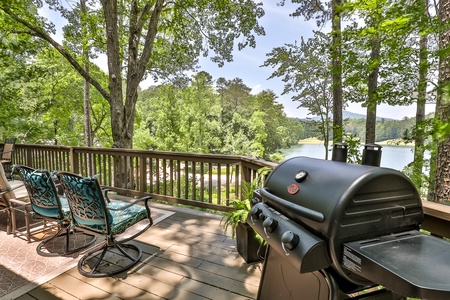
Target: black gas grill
(341, 231)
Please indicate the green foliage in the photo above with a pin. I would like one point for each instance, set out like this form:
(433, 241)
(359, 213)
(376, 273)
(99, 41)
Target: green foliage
(386, 129)
(51, 96)
(158, 39)
(420, 180)
(242, 206)
(305, 69)
(396, 27)
(196, 118)
(238, 214)
(353, 144)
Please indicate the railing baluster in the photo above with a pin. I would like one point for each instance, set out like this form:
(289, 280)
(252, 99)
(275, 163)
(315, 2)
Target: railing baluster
(202, 181)
(158, 190)
(186, 180)
(171, 177)
(150, 174)
(219, 184)
(178, 179)
(210, 182)
(164, 177)
(194, 181)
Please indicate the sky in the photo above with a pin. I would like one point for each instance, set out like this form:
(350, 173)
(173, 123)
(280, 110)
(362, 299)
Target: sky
(280, 29)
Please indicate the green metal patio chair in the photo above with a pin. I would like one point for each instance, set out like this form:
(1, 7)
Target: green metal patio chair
(94, 212)
(48, 206)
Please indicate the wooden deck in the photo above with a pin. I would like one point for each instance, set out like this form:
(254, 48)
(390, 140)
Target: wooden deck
(186, 256)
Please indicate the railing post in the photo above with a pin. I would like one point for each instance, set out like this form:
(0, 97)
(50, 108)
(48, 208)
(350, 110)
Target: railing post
(246, 173)
(143, 175)
(29, 157)
(74, 166)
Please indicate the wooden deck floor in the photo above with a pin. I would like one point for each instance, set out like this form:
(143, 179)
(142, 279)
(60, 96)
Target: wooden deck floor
(186, 256)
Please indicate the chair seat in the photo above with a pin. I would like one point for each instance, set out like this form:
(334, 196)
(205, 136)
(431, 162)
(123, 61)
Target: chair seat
(121, 219)
(53, 212)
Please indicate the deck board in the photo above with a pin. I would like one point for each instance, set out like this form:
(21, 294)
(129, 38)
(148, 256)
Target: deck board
(186, 256)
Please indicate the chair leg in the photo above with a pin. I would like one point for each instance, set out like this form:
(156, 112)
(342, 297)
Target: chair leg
(91, 266)
(66, 233)
(27, 223)
(9, 221)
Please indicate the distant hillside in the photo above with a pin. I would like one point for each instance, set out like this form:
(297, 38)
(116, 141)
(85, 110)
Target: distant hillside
(348, 115)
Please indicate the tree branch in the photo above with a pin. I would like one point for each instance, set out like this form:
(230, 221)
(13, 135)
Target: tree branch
(38, 32)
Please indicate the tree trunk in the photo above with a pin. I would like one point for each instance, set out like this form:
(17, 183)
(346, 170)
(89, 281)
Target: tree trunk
(372, 85)
(442, 187)
(337, 70)
(120, 139)
(419, 145)
(87, 90)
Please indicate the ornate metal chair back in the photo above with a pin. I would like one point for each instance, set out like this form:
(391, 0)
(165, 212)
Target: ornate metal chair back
(42, 191)
(86, 202)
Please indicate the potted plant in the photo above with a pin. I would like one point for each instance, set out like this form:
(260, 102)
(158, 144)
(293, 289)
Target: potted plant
(250, 245)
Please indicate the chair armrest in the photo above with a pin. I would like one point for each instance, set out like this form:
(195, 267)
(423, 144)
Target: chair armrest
(146, 199)
(19, 202)
(105, 194)
(1, 152)
(14, 188)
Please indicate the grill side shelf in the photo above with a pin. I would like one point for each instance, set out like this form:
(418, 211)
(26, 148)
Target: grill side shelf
(410, 263)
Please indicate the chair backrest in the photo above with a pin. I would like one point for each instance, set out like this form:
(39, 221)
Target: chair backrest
(4, 187)
(86, 202)
(8, 148)
(41, 191)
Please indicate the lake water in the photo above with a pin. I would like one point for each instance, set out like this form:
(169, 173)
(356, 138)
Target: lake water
(395, 157)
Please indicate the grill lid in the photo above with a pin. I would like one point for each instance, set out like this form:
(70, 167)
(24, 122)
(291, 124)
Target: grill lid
(340, 200)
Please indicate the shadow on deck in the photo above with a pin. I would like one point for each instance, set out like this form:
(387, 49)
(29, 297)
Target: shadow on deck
(186, 256)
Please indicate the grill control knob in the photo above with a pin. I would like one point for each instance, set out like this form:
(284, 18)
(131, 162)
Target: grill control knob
(289, 240)
(270, 225)
(262, 216)
(255, 212)
(254, 201)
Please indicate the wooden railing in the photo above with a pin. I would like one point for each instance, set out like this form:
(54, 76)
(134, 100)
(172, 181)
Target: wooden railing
(201, 180)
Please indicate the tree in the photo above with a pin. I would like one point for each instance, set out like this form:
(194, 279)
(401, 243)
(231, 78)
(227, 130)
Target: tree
(381, 56)
(203, 102)
(50, 88)
(307, 72)
(235, 96)
(422, 94)
(280, 131)
(161, 38)
(336, 56)
(442, 185)
(193, 119)
(318, 10)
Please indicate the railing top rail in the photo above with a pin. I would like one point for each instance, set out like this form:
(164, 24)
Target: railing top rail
(217, 158)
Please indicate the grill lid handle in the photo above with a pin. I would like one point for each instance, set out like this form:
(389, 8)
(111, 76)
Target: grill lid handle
(295, 208)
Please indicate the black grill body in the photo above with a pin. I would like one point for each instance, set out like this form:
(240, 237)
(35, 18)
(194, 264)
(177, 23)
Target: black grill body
(331, 220)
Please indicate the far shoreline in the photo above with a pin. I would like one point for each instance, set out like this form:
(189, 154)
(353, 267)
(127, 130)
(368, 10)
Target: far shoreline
(391, 143)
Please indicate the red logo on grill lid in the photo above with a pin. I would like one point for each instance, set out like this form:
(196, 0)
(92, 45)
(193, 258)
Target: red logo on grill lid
(293, 189)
